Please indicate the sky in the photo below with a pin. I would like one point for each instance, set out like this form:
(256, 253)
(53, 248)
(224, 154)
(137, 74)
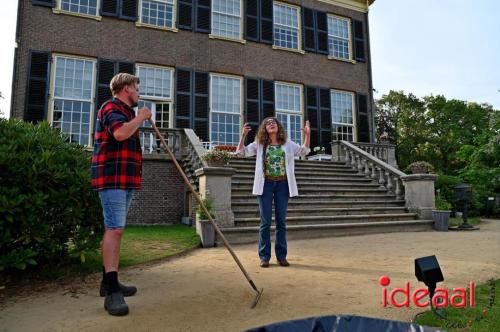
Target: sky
(448, 47)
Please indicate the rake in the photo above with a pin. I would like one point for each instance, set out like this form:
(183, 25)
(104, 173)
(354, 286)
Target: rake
(200, 202)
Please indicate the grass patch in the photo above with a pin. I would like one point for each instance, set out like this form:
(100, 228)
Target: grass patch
(459, 221)
(140, 244)
(485, 316)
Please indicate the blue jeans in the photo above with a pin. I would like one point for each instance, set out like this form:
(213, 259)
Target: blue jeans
(277, 190)
(115, 204)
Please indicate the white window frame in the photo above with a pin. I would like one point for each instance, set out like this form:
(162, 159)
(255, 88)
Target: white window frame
(91, 101)
(353, 125)
(156, 99)
(211, 111)
(58, 10)
(213, 35)
(173, 28)
(299, 27)
(288, 112)
(348, 39)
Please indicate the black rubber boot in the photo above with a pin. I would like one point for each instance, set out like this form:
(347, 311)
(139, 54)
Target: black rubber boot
(115, 305)
(126, 290)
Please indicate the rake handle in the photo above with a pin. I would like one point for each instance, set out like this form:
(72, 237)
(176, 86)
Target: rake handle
(200, 202)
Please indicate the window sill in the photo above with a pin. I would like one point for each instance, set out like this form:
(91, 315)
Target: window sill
(288, 49)
(340, 59)
(234, 40)
(59, 11)
(150, 26)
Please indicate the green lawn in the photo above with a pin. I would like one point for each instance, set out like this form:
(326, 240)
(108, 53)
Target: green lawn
(485, 316)
(140, 244)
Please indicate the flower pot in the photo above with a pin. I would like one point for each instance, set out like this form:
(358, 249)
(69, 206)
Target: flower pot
(215, 163)
(206, 232)
(441, 220)
(419, 170)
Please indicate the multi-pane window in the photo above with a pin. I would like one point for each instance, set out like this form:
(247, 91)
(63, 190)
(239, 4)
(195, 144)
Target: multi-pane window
(155, 90)
(86, 7)
(338, 37)
(289, 109)
(342, 115)
(226, 18)
(159, 13)
(73, 95)
(156, 82)
(225, 109)
(286, 26)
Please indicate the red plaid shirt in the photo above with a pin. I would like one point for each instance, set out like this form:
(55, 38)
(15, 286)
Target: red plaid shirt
(115, 165)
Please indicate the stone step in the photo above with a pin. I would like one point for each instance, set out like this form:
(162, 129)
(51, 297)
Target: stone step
(307, 211)
(313, 219)
(304, 185)
(298, 167)
(312, 177)
(242, 235)
(314, 163)
(305, 190)
(325, 197)
(238, 205)
(314, 173)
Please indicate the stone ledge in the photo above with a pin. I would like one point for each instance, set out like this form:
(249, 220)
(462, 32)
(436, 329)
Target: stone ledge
(419, 177)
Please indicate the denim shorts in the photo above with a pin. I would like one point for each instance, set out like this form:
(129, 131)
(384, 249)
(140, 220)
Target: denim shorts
(115, 204)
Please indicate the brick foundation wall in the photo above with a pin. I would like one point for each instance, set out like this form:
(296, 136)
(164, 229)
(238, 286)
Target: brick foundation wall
(161, 200)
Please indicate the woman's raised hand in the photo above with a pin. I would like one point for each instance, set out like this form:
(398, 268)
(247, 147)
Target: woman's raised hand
(246, 129)
(307, 128)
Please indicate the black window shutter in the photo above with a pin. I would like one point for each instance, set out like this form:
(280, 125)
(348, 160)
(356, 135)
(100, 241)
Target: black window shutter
(183, 97)
(252, 21)
(359, 41)
(309, 29)
(322, 32)
(128, 10)
(201, 110)
(267, 99)
(252, 106)
(266, 21)
(106, 69)
(311, 98)
(185, 16)
(363, 119)
(37, 91)
(325, 119)
(109, 8)
(126, 67)
(45, 3)
(203, 16)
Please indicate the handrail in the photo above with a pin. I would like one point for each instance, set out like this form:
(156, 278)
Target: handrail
(388, 177)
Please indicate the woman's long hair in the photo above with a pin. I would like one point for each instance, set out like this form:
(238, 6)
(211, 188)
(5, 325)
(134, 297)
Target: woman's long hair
(263, 138)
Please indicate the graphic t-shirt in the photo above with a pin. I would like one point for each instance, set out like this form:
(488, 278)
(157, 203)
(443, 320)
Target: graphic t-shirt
(275, 161)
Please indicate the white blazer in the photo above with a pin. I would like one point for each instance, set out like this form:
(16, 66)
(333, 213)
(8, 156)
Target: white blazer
(292, 150)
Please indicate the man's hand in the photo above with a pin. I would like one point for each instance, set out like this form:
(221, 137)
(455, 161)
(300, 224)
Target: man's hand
(144, 114)
(246, 129)
(307, 128)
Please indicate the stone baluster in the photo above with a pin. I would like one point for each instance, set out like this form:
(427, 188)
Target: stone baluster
(373, 175)
(381, 180)
(399, 192)
(360, 164)
(353, 160)
(367, 169)
(389, 181)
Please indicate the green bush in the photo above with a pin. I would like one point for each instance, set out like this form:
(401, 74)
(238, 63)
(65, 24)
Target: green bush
(441, 204)
(209, 205)
(48, 211)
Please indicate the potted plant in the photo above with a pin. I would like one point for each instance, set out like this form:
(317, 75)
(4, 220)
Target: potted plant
(204, 227)
(420, 167)
(441, 214)
(216, 157)
(228, 148)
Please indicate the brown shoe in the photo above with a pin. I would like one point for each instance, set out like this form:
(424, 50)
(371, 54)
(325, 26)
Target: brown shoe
(264, 263)
(283, 262)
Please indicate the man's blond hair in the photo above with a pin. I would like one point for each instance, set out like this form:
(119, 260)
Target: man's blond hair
(119, 81)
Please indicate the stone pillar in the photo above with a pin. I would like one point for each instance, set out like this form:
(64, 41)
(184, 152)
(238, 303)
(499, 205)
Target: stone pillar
(337, 153)
(419, 194)
(216, 182)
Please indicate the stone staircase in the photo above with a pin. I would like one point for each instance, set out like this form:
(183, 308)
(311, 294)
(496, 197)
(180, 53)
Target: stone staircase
(334, 200)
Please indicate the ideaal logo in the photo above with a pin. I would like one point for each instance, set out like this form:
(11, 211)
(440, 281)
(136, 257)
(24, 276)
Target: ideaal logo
(457, 297)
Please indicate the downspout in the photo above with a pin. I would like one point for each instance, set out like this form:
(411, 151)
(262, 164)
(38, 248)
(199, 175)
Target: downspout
(370, 83)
